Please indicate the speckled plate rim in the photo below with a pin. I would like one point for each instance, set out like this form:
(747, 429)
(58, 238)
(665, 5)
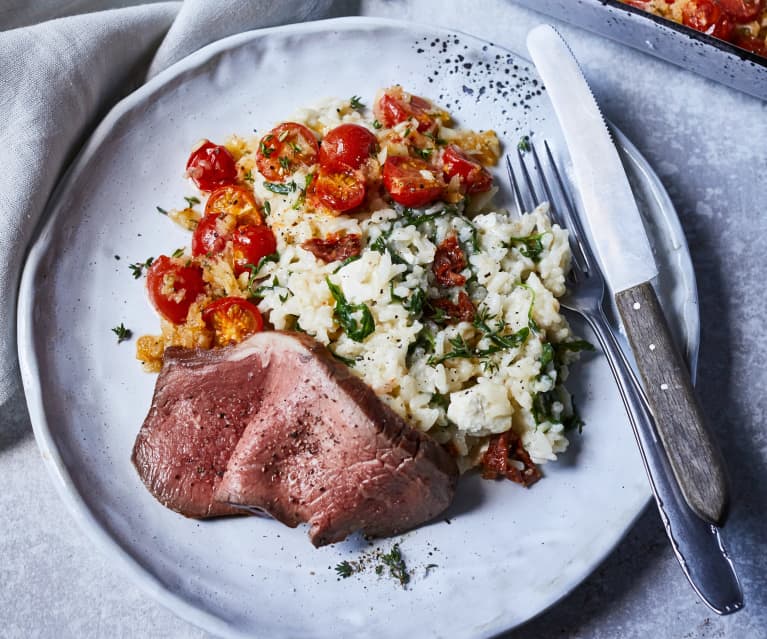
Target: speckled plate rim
(29, 364)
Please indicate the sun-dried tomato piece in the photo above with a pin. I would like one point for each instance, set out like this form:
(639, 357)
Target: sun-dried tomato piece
(463, 310)
(333, 247)
(449, 261)
(503, 448)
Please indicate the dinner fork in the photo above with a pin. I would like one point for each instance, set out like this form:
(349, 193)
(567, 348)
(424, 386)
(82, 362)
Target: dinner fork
(697, 544)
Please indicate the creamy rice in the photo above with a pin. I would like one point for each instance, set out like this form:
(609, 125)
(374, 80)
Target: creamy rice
(461, 382)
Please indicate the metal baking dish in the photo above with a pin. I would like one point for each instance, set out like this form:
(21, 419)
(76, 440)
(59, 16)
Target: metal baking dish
(690, 49)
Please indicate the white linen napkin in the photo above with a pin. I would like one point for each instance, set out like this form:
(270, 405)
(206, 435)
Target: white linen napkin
(58, 79)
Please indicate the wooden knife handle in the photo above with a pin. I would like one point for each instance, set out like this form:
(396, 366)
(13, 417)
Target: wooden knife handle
(694, 458)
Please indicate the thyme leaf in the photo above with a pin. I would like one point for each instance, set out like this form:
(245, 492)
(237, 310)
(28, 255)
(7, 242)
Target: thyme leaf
(344, 569)
(396, 564)
(137, 269)
(122, 333)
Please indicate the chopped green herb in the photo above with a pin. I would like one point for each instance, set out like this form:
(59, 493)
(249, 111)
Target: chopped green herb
(356, 103)
(282, 189)
(495, 335)
(267, 207)
(524, 144)
(573, 421)
(283, 135)
(178, 252)
(438, 400)
(424, 341)
(346, 360)
(137, 269)
(424, 153)
(415, 302)
(377, 124)
(295, 148)
(266, 151)
(255, 268)
(248, 177)
(285, 162)
(396, 564)
(191, 200)
(460, 350)
(344, 569)
(529, 246)
(161, 210)
(406, 133)
(122, 333)
(547, 354)
(345, 313)
(411, 219)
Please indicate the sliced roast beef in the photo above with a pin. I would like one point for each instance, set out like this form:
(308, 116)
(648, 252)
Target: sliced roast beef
(194, 423)
(314, 445)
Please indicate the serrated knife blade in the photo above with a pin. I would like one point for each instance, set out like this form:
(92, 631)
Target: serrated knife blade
(621, 243)
(608, 205)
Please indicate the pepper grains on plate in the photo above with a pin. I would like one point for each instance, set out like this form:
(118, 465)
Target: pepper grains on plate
(370, 230)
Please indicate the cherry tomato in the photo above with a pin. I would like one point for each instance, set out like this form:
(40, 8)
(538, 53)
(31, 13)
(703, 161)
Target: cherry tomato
(347, 147)
(234, 200)
(251, 243)
(173, 287)
(340, 191)
(410, 181)
(231, 319)
(206, 239)
(474, 177)
(395, 106)
(750, 43)
(284, 149)
(742, 10)
(210, 166)
(706, 16)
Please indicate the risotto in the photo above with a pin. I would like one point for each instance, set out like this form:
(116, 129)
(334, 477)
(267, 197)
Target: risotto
(383, 244)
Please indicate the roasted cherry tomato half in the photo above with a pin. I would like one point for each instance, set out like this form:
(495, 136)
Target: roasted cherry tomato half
(411, 182)
(211, 166)
(347, 147)
(232, 319)
(474, 177)
(207, 238)
(284, 149)
(173, 287)
(234, 200)
(742, 10)
(706, 16)
(339, 190)
(750, 43)
(249, 244)
(395, 106)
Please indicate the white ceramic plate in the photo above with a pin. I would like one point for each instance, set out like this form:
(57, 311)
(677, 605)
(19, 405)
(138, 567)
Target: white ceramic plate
(506, 553)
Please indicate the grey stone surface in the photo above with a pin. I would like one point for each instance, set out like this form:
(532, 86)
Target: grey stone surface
(709, 145)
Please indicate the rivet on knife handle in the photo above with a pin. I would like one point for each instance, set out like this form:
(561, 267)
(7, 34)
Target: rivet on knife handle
(694, 459)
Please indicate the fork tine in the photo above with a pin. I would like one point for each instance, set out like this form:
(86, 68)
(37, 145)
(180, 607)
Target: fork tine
(528, 181)
(573, 221)
(515, 187)
(554, 213)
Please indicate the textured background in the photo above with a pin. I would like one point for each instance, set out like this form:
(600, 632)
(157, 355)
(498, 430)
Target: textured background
(709, 146)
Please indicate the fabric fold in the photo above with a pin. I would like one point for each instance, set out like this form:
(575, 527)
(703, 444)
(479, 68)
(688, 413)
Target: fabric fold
(56, 81)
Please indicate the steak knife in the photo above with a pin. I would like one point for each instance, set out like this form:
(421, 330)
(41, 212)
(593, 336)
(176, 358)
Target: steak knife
(621, 243)
(684, 466)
